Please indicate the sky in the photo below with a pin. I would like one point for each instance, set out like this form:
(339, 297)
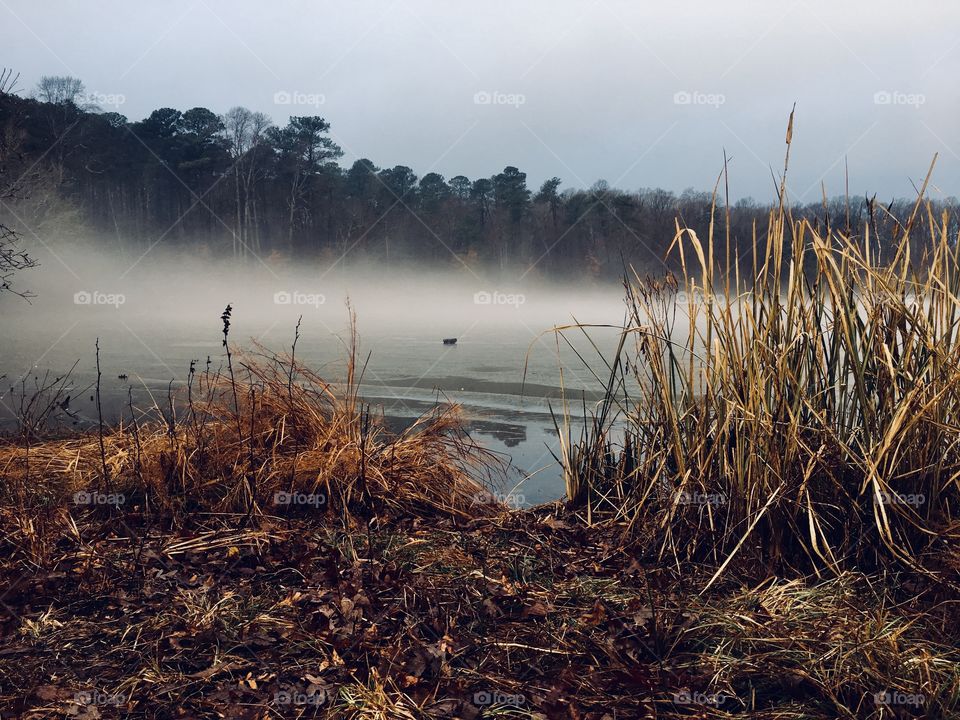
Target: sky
(639, 94)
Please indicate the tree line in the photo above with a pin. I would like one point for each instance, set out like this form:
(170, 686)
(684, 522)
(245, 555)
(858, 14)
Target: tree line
(238, 185)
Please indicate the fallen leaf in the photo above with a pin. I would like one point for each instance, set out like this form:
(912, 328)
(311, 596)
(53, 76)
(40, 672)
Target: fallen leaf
(596, 616)
(537, 609)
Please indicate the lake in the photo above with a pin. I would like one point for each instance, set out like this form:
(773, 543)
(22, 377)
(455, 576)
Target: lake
(153, 320)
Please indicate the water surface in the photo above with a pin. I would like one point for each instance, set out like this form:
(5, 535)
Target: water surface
(153, 319)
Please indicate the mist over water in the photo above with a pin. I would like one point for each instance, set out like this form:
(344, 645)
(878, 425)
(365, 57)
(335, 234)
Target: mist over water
(154, 315)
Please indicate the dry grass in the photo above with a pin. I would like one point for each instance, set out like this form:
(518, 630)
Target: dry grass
(801, 406)
(418, 620)
(842, 648)
(244, 446)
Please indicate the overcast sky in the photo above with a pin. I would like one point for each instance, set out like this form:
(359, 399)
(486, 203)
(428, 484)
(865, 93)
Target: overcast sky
(640, 94)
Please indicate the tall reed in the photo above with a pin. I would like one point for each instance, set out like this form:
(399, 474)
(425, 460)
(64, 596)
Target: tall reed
(801, 404)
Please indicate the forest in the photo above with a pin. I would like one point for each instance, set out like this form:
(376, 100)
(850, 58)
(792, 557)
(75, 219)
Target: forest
(241, 185)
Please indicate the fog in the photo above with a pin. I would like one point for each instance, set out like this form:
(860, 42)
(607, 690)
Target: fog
(155, 315)
(98, 290)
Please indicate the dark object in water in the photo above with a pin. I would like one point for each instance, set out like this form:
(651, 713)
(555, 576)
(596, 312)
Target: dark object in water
(449, 341)
(123, 376)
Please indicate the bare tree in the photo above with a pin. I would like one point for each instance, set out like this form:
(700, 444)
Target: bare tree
(8, 81)
(245, 131)
(12, 258)
(60, 90)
